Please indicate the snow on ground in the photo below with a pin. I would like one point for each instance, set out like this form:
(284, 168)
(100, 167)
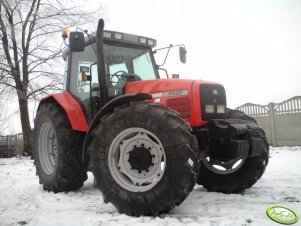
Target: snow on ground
(23, 201)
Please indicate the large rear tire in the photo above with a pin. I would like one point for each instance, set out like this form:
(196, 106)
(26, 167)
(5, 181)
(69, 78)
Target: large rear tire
(242, 174)
(57, 150)
(143, 157)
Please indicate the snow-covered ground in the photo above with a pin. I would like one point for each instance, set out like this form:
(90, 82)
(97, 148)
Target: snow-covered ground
(23, 201)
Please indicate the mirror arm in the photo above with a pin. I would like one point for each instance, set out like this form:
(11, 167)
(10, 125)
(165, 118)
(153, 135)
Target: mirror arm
(169, 47)
(166, 56)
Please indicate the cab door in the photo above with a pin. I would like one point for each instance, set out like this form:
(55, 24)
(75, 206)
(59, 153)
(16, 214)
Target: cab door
(83, 82)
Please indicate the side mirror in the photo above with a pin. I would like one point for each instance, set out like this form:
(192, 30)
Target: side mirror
(183, 52)
(77, 42)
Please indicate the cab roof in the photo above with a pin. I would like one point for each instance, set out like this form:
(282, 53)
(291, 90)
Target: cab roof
(118, 37)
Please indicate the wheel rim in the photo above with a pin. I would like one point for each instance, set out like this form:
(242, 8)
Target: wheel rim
(220, 167)
(124, 145)
(47, 148)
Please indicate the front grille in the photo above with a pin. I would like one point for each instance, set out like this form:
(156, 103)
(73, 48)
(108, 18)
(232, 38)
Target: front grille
(181, 105)
(212, 95)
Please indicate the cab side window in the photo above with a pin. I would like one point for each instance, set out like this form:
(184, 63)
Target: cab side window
(83, 61)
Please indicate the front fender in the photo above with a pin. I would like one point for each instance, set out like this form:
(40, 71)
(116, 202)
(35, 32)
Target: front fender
(109, 107)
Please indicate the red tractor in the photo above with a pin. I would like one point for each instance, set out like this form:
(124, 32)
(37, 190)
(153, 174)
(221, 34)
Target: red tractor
(146, 140)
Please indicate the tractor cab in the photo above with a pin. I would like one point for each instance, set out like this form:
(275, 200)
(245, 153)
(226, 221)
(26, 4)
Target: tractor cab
(94, 78)
(126, 58)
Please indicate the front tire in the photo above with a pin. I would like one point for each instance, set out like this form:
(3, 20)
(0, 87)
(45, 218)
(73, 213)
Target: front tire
(235, 176)
(143, 159)
(57, 150)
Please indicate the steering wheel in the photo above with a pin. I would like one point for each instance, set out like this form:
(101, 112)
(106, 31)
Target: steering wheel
(117, 74)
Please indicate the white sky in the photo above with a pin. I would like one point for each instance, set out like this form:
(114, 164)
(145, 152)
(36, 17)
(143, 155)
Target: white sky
(252, 47)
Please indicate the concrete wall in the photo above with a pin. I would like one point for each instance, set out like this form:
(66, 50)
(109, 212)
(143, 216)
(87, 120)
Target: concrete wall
(281, 122)
(288, 129)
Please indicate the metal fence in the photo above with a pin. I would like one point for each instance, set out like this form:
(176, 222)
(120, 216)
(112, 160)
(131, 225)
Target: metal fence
(281, 121)
(11, 145)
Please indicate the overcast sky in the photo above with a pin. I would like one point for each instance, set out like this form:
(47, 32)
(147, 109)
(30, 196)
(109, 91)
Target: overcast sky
(252, 47)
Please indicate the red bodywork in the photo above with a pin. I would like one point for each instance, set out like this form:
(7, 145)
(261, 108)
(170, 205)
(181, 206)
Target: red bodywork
(72, 108)
(187, 105)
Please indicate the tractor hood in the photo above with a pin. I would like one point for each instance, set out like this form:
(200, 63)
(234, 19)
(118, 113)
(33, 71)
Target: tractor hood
(165, 85)
(187, 97)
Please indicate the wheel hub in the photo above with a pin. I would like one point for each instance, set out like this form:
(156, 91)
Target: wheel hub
(136, 159)
(140, 158)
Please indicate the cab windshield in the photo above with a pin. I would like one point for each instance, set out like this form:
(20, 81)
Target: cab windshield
(123, 64)
(127, 64)
(129, 60)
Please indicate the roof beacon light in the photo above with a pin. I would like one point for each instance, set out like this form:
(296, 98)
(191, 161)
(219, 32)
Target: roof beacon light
(65, 33)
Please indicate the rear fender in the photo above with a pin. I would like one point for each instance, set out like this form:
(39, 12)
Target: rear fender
(72, 108)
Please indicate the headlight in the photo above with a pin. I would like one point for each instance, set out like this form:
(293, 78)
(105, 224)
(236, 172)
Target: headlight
(221, 109)
(142, 40)
(150, 42)
(107, 34)
(209, 108)
(118, 35)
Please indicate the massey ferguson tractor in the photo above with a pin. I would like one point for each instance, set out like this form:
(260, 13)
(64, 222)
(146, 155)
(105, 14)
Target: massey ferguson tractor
(146, 140)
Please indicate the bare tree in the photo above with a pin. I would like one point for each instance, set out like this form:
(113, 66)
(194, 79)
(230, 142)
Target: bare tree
(28, 52)
(3, 116)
